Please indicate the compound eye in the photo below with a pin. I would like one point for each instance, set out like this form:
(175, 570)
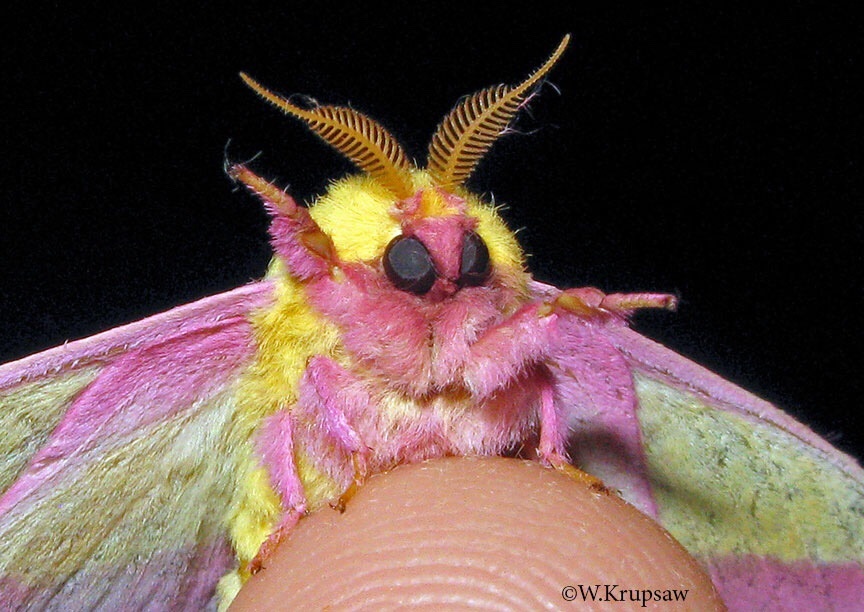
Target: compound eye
(408, 265)
(475, 266)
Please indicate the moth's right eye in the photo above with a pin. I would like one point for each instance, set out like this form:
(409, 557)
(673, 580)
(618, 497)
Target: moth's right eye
(408, 265)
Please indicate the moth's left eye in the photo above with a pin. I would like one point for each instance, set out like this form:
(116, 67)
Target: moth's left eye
(475, 266)
(409, 266)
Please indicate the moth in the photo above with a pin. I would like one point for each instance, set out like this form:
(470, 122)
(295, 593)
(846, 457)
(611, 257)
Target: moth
(156, 464)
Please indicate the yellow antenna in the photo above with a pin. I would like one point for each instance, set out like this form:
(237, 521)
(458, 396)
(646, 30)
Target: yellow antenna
(361, 139)
(465, 135)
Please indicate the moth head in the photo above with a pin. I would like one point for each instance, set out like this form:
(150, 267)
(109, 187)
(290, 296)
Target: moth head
(428, 234)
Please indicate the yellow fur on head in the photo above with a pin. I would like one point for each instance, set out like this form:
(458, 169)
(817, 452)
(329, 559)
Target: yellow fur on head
(358, 215)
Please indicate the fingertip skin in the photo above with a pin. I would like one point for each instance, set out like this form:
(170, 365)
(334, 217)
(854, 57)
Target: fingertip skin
(488, 533)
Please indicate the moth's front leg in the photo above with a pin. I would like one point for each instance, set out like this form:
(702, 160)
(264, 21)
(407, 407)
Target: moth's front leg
(275, 445)
(329, 396)
(590, 302)
(553, 438)
(504, 351)
(528, 338)
(508, 350)
(318, 423)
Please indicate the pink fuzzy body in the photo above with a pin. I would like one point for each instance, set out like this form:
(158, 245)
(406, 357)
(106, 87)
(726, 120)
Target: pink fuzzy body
(421, 385)
(456, 371)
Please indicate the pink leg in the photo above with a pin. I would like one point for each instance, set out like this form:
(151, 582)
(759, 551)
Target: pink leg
(552, 440)
(551, 449)
(626, 303)
(329, 393)
(588, 302)
(504, 351)
(276, 446)
(528, 337)
(329, 396)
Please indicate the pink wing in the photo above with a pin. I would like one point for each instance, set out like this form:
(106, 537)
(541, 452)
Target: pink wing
(773, 510)
(114, 471)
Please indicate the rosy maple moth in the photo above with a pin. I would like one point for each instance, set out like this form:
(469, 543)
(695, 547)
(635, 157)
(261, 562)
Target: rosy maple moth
(150, 465)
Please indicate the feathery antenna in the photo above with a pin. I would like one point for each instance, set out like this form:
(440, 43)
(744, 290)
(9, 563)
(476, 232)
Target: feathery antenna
(362, 140)
(469, 130)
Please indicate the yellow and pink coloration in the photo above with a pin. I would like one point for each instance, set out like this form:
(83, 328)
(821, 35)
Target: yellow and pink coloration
(397, 323)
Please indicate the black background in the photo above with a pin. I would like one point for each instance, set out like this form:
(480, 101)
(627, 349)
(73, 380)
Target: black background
(712, 153)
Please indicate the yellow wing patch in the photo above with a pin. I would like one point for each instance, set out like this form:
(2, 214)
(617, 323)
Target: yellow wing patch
(726, 484)
(30, 412)
(171, 494)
